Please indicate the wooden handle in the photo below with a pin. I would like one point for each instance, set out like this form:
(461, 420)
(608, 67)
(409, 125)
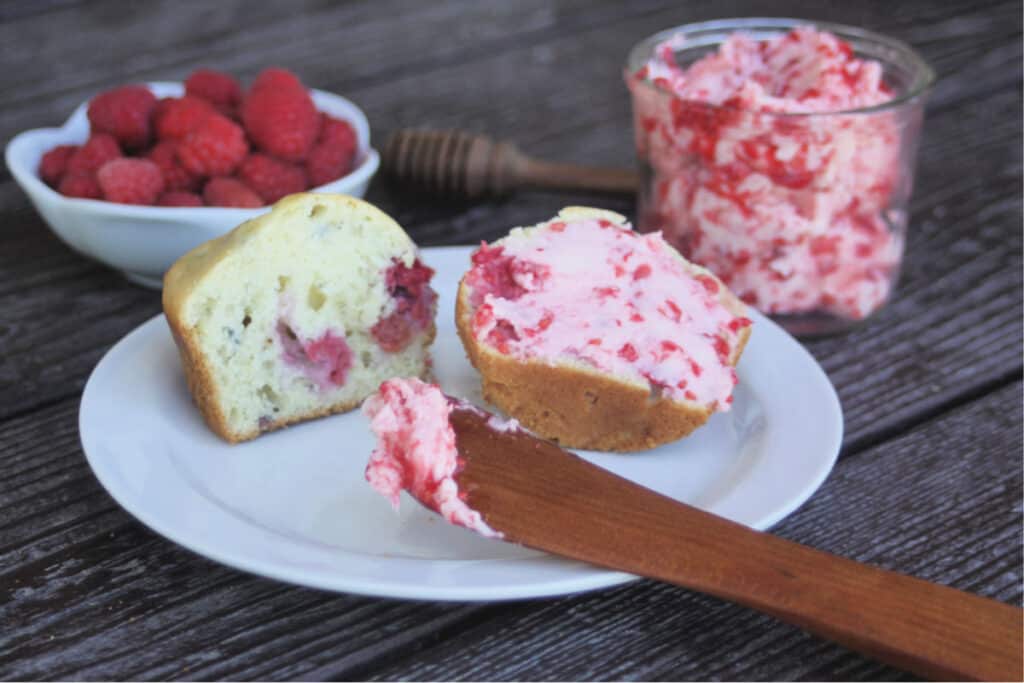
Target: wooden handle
(551, 176)
(462, 163)
(541, 496)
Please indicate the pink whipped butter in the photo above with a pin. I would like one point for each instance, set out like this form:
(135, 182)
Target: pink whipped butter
(789, 211)
(416, 450)
(591, 293)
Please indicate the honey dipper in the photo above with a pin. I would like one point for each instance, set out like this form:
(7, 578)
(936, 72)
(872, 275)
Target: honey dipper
(461, 163)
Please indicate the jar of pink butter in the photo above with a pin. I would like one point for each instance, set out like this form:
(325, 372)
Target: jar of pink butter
(780, 154)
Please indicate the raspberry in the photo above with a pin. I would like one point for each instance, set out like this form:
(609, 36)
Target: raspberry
(161, 107)
(164, 155)
(414, 305)
(280, 116)
(392, 333)
(737, 324)
(332, 356)
(676, 312)
(180, 117)
(98, 150)
(54, 163)
(722, 348)
(502, 275)
(277, 78)
(326, 163)
(501, 335)
(179, 198)
(334, 152)
(124, 113)
(709, 283)
(216, 87)
(216, 147)
(270, 178)
(130, 181)
(336, 131)
(230, 192)
(82, 185)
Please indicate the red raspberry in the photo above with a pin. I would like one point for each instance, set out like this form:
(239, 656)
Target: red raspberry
(271, 178)
(722, 348)
(628, 352)
(54, 163)
(165, 156)
(277, 78)
(82, 185)
(178, 198)
(334, 152)
(130, 181)
(180, 117)
(216, 87)
(326, 163)
(709, 283)
(97, 150)
(216, 147)
(338, 131)
(737, 324)
(280, 116)
(230, 192)
(124, 113)
(161, 107)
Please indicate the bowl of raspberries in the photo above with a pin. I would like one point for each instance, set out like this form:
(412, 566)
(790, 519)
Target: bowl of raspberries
(141, 174)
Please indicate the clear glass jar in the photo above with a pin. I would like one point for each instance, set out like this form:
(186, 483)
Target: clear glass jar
(803, 215)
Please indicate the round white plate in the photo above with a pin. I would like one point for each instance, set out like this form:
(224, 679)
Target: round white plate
(293, 505)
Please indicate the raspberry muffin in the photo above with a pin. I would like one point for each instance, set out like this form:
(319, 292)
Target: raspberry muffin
(598, 337)
(299, 313)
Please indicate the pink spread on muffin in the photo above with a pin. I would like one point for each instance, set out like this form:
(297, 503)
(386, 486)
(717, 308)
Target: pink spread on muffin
(416, 450)
(592, 293)
(786, 210)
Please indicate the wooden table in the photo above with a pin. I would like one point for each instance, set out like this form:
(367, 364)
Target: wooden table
(929, 481)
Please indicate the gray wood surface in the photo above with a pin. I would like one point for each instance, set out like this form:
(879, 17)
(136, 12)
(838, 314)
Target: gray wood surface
(930, 478)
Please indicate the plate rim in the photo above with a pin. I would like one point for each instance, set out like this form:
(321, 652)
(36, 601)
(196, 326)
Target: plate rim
(585, 577)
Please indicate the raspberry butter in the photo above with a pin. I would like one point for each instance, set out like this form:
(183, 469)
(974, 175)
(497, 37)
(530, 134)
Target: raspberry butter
(416, 449)
(594, 293)
(755, 172)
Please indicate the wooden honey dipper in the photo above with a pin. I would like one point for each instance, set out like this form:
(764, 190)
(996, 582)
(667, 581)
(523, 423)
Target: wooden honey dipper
(461, 163)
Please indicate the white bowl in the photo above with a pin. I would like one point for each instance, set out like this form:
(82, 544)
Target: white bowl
(143, 241)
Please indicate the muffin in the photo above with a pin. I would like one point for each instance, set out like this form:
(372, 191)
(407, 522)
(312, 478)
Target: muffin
(597, 337)
(299, 313)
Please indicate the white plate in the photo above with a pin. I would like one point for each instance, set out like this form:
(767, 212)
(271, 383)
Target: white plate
(293, 505)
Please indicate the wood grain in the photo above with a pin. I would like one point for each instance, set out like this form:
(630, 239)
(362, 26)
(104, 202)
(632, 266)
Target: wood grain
(937, 372)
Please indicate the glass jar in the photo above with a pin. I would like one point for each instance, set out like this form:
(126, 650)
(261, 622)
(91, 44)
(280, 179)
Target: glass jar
(803, 215)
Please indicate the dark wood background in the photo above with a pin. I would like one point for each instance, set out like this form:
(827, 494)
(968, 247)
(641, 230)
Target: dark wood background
(929, 481)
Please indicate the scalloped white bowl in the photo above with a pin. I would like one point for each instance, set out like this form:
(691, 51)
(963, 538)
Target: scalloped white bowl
(143, 241)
